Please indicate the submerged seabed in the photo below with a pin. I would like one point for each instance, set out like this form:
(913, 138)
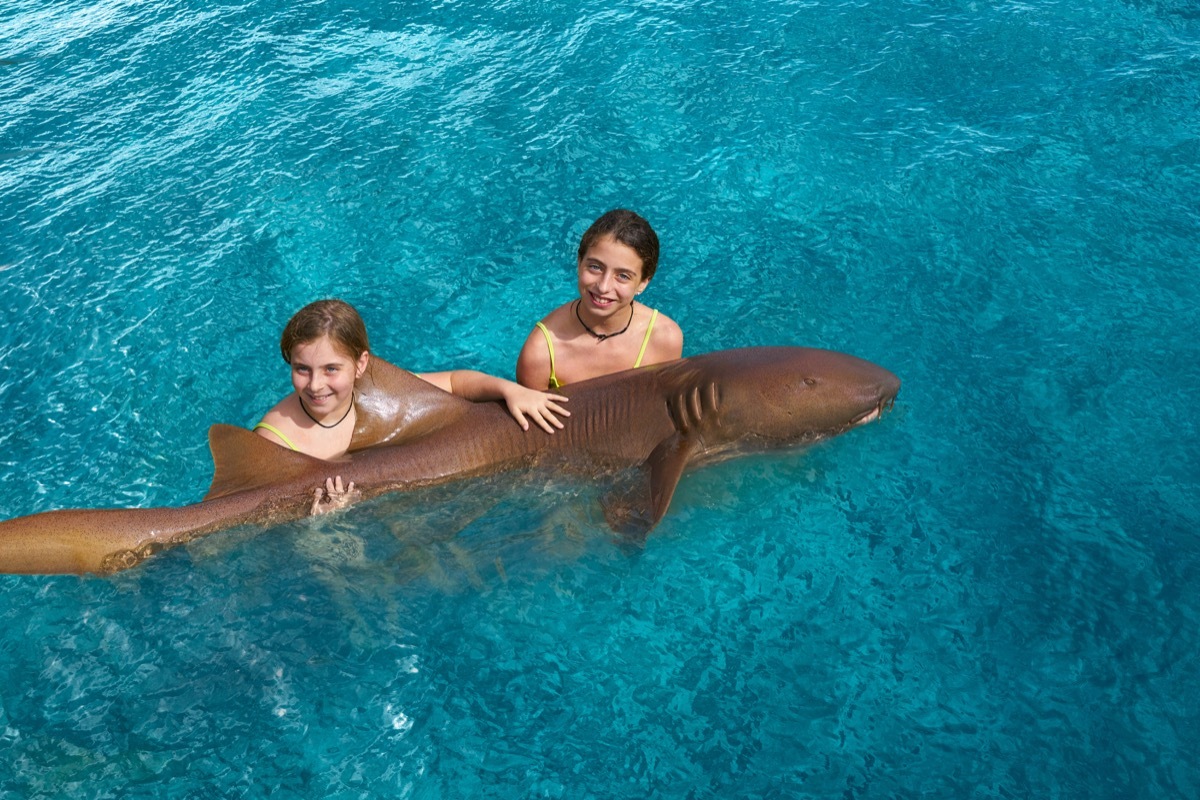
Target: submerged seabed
(989, 594)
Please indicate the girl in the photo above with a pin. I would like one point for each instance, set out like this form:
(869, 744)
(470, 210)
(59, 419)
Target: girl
(326, 345)
(606, 329)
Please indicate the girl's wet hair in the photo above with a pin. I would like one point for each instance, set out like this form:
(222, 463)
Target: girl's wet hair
(630, 230)
(336, 319)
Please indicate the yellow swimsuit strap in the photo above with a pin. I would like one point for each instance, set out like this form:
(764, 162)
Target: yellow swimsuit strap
(276, 431)
(554, 384)
(646, 340)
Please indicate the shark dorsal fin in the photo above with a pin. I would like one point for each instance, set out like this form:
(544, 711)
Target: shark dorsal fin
(393, 406)
(244, 460)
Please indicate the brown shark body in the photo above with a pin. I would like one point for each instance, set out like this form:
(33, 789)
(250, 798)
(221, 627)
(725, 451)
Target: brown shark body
(663, 419)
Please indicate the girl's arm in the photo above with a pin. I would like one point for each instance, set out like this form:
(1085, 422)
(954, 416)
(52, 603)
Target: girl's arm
(541, 407)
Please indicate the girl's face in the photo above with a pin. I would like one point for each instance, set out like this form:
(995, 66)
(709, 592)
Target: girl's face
(610, 276)
(324, 375)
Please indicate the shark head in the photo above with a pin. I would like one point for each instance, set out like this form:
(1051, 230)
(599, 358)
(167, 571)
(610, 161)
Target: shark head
(777, 396)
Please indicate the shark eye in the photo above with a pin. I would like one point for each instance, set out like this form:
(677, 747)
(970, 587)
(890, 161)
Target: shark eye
(810, 381)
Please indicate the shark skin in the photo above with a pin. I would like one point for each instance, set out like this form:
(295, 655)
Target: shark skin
(662, 419)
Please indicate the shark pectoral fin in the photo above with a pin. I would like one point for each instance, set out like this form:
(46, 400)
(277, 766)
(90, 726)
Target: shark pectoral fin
(641, 510)
(244, 460)
(667, 463)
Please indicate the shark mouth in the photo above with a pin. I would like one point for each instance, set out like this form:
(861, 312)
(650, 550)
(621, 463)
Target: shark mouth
(875, 413)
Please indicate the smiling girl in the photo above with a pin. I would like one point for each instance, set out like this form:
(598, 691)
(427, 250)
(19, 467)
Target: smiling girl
(326, 345)
(606, 329)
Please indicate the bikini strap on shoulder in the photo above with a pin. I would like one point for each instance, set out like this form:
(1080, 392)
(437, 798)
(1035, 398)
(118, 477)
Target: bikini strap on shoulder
(646, 338)
(277, 432)
(554, 384)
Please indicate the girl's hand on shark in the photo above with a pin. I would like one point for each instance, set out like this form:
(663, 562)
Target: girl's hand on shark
(542, 408)
(334, 496)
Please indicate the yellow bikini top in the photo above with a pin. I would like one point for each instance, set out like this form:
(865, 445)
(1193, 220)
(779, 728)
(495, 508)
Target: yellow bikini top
(555, 383)
(278, 433)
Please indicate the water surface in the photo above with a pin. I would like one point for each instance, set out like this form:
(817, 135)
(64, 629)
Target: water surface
(988, 594)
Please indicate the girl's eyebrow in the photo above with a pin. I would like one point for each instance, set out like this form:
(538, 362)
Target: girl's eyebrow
(306, 365)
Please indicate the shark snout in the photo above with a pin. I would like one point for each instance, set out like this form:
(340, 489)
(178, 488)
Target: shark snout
(886, 389)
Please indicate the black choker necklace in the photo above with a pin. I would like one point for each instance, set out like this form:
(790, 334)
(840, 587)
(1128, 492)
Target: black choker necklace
(322, 424)
(600, 337)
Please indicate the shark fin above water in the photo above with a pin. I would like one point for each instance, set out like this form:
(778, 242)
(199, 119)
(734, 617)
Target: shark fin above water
(244, 460)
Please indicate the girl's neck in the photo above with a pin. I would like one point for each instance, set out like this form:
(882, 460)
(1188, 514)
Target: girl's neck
(605, 327)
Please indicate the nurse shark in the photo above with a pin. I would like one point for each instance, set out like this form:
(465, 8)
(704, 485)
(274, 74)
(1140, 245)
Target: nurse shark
(659, 420)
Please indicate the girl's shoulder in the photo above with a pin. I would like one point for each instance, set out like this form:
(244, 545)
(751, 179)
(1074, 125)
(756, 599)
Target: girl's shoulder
(666, 339)
(666, 325)
(534, 365)
(279, 424)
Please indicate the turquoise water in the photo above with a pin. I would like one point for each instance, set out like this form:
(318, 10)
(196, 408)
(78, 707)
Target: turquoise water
(991, 593)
